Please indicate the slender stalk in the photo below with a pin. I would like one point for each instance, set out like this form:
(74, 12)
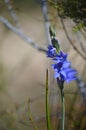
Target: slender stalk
(63, 108)
(21, 34)
(47, 104)
(30, 116)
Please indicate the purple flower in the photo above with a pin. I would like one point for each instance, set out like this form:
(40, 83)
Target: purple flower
(64, 73)
(61, 57)
(51, 52)
(62, 67)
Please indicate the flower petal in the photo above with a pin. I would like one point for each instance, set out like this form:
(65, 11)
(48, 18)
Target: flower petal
(66, 64)
(56, 74)
(51, 52)
(63, 73)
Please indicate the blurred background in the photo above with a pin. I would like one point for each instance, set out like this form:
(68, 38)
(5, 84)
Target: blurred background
(23, 69)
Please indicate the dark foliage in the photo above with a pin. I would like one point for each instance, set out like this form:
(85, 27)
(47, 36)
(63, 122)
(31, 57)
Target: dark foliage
(75, 9)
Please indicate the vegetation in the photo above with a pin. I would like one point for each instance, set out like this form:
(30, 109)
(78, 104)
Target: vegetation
(74, 9)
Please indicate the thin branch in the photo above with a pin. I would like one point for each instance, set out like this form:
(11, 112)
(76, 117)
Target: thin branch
(82, 88)
(81, 44)
(75, 48)
(46, 20)
(21, 34)
(48, 40)
(12, 12)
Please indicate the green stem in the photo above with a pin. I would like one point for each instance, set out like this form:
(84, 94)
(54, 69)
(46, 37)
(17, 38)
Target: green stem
(63, 108)
(47, 104)
(30, 116)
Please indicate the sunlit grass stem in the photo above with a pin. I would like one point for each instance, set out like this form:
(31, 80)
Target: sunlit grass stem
(63, 108)
(47, 104)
